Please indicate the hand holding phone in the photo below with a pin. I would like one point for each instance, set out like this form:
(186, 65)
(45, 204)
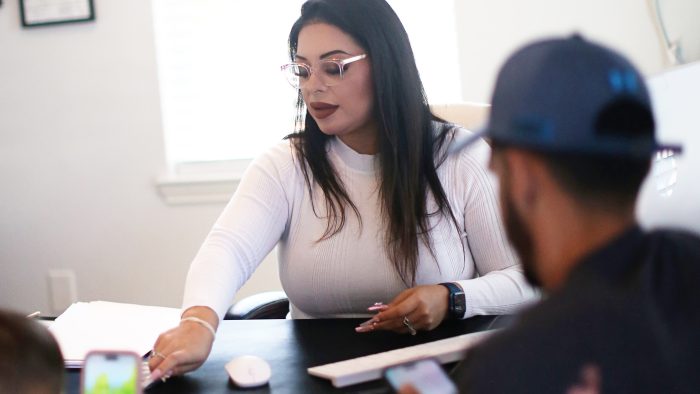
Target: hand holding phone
(424, 376)
(111, 371)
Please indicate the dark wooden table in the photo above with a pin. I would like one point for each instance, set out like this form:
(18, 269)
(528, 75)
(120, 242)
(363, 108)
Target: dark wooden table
(292, 346)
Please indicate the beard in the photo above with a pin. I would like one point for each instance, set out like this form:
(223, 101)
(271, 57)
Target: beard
(520, 238)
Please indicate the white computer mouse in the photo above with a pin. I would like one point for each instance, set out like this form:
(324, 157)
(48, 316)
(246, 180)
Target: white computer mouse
(248, 371)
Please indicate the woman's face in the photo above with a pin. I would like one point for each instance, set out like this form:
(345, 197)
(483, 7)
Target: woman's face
(344, 109)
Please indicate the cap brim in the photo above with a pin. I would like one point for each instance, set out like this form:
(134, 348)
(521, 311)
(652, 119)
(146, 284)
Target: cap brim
(462, 143)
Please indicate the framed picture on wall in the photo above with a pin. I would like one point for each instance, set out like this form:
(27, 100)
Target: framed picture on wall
(51, 12)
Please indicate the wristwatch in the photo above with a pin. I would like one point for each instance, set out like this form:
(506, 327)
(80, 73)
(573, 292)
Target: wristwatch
(456, 301)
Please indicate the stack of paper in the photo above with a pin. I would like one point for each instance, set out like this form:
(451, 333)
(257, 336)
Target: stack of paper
(102, 325)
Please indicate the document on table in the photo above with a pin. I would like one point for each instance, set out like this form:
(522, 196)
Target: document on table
(102, 325)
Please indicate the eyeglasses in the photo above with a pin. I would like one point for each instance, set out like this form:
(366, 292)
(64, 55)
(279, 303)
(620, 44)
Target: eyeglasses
(331, 71)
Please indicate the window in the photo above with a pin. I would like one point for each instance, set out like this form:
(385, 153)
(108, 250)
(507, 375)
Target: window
(222, 95)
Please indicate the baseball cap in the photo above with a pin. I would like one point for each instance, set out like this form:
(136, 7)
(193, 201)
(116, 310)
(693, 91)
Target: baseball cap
(551, 95)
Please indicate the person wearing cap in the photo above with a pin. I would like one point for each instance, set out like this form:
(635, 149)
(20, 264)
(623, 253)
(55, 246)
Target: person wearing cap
(572, 134)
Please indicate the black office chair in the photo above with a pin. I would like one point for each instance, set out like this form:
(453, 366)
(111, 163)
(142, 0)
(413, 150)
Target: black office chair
(265, 305)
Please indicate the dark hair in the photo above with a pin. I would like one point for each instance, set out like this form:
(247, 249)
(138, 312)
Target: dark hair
(30, 359)
(407, 141)
(609, 182)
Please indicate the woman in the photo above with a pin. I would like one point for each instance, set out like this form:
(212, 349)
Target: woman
(364, 202)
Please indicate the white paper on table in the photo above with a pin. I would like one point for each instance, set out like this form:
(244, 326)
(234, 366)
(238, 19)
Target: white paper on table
(102, 325)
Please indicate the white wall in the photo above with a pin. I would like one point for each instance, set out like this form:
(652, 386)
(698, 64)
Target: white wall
(490, 30)
(682, 29)
(81, 142)
(671, 194)
(80, 146)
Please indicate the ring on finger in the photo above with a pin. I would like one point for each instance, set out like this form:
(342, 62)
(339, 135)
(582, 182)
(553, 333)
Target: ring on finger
(155, 354)
(407, 323)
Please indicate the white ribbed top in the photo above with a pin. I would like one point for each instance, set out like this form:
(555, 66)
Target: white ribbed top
(345, 274)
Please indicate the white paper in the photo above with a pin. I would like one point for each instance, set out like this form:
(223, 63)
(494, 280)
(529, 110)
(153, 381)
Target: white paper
(101, 325)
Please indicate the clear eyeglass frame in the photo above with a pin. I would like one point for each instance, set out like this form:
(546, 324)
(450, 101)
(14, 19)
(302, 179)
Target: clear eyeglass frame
(332, 70)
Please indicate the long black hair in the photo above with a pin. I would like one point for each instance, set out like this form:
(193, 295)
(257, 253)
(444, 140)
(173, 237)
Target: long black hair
(407, 140)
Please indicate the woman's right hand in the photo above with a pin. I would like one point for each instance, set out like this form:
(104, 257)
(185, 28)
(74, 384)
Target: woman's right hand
(185, 347)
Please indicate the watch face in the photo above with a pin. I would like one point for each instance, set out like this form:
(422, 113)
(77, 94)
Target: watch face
(459, 304)
(456, 299)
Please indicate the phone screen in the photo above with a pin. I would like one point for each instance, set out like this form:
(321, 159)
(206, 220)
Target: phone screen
(111, 372)
(426, 376)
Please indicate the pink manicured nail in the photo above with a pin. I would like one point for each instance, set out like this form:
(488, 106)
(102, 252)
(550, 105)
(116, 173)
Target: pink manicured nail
(377, 306)
(156, 374)
(367, 323)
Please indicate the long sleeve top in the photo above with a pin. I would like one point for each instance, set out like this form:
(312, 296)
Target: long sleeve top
(344, 274)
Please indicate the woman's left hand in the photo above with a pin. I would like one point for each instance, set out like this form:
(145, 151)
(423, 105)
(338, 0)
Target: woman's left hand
(420, 308)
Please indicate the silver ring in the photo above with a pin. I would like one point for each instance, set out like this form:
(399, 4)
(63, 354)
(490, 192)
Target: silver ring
(155, 354)
(408, 325)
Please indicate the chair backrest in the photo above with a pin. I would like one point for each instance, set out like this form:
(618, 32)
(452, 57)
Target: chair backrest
(265, 305)
(469, 115)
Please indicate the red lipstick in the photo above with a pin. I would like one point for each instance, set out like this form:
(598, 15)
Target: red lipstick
(322, 110)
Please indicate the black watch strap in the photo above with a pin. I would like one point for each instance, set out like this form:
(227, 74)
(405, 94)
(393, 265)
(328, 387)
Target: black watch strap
(456, 301)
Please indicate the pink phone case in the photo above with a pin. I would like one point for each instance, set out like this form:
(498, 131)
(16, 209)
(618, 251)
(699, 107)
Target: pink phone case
(111, 368)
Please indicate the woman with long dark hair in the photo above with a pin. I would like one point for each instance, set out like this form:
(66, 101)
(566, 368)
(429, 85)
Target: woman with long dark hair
(370, 213)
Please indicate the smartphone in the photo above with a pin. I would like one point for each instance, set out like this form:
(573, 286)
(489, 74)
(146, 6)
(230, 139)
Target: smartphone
(111, 372)
(426, 376)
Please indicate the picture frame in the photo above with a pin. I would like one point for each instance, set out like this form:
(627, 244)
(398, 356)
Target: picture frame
(52, 12)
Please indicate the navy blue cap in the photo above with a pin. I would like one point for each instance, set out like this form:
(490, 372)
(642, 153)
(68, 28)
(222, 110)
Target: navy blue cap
(550, 94)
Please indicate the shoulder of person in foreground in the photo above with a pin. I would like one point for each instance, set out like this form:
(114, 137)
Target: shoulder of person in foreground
(555, 347)
(678, 245)
(30, 358)
(672, 275)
